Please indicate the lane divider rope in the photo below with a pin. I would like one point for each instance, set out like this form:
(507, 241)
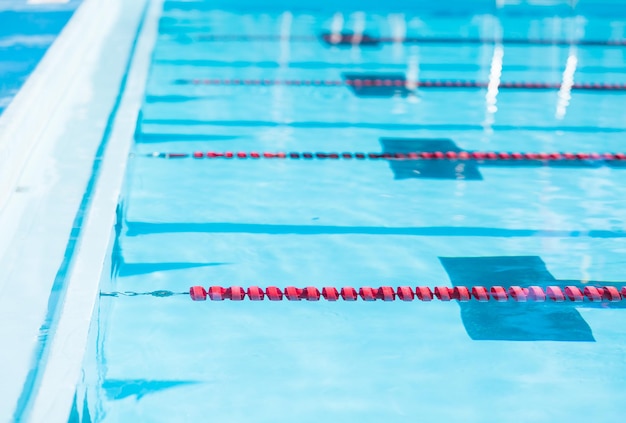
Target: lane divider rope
(400, 82)
(366, 40)
(417, 155)
(161, 293)
(340, 39)
(406, 293)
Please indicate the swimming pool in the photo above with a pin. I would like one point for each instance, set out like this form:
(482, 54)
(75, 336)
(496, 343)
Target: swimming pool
(324, 108)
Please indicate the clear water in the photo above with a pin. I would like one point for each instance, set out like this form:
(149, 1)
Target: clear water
(242, 222)
(26, 32)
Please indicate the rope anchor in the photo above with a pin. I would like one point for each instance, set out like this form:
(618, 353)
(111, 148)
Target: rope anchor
(159, 293)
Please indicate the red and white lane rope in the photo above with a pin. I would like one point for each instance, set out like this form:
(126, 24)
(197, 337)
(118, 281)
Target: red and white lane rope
(407, 293)
(399, 83)
(417, 155)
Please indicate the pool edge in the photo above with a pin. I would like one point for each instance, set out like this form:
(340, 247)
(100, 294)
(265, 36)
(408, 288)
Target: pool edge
(52, 398)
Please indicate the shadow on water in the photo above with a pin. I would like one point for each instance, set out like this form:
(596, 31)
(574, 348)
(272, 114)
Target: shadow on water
(517, 321)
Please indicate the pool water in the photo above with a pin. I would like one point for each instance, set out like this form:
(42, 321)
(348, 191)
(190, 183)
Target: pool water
(27, 29)
(184, 222)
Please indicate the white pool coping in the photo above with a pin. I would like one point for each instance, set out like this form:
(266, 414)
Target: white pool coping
(49, 136)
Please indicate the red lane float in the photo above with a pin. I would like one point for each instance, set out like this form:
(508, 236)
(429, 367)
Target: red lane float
(399, 82)
(519, 294)
(415, 155)
(499, 294)
(422, 293)
(461, 293)
(348, 294)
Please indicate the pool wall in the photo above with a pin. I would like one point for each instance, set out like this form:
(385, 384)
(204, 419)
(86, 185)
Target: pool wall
(53, 397)
(62, 117)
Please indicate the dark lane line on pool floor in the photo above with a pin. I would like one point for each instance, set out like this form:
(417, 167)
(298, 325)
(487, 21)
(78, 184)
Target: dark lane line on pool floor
(347, 39)
(400, 66)
(381, 125)
(147, 137)
(134, 269)
(119, 389)
(150, 228)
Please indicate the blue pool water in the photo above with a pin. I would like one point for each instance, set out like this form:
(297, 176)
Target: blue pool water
(207, 222)
(26, 32)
